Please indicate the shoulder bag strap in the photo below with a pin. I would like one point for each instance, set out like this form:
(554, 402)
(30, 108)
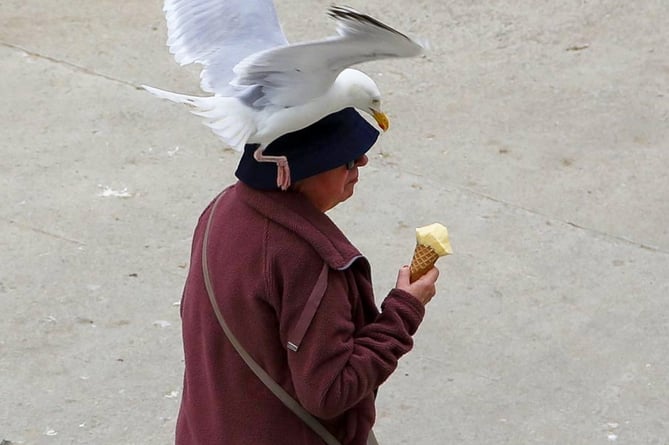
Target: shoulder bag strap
(274, 387)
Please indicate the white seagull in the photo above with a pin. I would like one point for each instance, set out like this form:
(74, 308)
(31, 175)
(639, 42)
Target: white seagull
(263, 87)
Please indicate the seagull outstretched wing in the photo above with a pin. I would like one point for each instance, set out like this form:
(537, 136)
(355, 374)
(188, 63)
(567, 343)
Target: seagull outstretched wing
(294, 74)
(220, 33)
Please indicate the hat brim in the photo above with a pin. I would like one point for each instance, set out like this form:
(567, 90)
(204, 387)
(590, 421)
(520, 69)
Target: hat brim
(333, 141)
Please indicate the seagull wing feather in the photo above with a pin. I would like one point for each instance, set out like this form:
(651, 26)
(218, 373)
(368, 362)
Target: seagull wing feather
(219, 34)
(294, 74)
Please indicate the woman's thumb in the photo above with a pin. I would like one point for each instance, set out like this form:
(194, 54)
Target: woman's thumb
(404, 275)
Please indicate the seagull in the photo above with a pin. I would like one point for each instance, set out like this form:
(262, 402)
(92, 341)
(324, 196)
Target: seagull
(264, 87)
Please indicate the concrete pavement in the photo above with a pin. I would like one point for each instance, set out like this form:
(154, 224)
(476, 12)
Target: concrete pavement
(536, 133)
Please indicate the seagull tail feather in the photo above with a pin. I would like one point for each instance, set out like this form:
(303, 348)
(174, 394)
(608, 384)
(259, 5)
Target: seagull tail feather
(229, 119)
(192, 101)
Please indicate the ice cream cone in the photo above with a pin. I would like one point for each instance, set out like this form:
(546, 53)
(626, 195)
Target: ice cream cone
(423, 260)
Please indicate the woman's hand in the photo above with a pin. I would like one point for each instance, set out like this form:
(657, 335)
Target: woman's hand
(423, 289)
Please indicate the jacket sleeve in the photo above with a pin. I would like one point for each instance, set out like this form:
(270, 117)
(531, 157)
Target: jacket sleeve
(338, 363)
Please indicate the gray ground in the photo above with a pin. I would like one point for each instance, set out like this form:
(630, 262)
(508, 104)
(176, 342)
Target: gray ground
(537, 131)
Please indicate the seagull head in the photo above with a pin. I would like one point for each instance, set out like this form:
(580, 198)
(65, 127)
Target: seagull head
(364, 95)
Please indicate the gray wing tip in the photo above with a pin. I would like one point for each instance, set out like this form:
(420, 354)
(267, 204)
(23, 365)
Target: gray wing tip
(342, 13)
(346, 13)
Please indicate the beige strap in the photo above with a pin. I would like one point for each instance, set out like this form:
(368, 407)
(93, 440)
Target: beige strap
(310, 308)
(274, 387)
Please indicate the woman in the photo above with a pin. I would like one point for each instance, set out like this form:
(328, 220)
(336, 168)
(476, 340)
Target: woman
(267, 251)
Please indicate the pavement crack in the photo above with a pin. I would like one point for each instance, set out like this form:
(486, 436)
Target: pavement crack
(617, 237)
(43, 232)
(535, 212)
(68, 65)
(581, 227)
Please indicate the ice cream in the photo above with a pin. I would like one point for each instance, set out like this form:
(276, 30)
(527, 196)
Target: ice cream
(431, 243)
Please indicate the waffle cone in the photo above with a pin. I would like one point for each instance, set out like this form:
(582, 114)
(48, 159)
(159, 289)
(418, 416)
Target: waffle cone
(423, 260)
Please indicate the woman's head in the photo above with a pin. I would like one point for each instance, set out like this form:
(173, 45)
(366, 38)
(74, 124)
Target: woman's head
(327, 189)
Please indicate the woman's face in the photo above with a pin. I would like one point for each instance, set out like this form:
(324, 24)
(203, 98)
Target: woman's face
(329, 188)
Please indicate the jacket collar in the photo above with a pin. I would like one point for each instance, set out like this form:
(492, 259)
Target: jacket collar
(294, 212)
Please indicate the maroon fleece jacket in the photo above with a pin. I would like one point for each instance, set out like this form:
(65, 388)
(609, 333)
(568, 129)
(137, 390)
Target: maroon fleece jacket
(266, 251)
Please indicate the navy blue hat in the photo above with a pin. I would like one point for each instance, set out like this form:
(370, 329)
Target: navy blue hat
(329, 143)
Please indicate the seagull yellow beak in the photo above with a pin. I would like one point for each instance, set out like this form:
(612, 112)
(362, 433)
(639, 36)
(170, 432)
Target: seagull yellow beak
(381, 119)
